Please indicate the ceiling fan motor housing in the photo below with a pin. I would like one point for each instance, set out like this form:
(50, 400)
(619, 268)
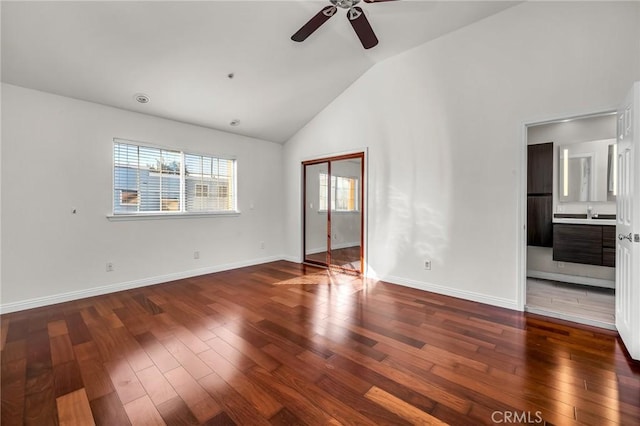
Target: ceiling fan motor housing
(345, 4)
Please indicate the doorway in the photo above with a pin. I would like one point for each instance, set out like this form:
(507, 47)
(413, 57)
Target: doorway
(571, 219)
(333, 212)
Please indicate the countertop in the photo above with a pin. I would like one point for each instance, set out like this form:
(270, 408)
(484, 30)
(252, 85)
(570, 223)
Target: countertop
(585, 221)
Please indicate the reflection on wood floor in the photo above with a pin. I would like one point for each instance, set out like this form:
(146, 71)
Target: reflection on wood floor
(235, 348)
(348, 257)
(573, 302)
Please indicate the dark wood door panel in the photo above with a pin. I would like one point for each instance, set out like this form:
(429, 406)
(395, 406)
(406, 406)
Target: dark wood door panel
(577, 243)
(609, 257)
(539, 221)
(540, 168)
(609, 236)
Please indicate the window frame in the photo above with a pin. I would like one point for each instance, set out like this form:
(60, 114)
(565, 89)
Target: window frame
(182, 201)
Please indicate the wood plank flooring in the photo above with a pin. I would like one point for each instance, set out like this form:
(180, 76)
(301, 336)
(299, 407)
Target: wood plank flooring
(348, 257)
(288, 344)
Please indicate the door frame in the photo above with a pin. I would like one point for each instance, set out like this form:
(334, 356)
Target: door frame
(521, 223)
(361, 154)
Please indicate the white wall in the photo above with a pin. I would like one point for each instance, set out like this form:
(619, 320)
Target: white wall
(57, 155)
(444, 124)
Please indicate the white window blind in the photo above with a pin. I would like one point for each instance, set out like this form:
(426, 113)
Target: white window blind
(155, 180)
(344, 193)
(209, 183)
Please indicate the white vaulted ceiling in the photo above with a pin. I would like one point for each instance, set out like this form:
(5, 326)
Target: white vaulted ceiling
(180, 54)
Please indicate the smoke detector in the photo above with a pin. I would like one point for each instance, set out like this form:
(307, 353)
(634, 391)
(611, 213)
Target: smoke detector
(141, 98)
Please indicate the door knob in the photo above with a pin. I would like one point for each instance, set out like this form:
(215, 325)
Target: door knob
(622, 237)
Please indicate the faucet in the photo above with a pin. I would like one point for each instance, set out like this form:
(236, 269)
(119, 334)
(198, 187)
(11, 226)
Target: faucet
(590, 212)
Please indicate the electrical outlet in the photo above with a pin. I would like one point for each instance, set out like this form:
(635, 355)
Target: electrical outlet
(196, 254)
(261, 244)
(109, 267)
(560, 264)
(427, 264)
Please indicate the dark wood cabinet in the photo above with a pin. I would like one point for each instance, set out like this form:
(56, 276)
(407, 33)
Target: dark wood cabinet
(539, 220)
(609, 246)
(587, 244)
(609, 257)
(540, 169)
(609, 236)
(540, 195)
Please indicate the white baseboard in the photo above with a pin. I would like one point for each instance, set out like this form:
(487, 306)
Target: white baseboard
(293, 259)
(112, 288)
(333, 247)
(448, 291)
(574, 279)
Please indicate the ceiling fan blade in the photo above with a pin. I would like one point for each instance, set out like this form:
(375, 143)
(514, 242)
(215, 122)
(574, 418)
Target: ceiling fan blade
(362, 27)
(314, 23)
(376, 1)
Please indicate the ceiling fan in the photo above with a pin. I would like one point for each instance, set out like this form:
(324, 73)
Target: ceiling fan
(355, 15)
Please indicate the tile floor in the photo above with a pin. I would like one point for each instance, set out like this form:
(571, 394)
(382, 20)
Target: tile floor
(573, 302)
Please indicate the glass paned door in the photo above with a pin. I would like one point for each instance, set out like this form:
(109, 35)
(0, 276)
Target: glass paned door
(345, 194)
(316, 248)
(334, 211)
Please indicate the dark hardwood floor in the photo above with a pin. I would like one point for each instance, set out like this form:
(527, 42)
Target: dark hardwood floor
(287, 344)
(348, 257)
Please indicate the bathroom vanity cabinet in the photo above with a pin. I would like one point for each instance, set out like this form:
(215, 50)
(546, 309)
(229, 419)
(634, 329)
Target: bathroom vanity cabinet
(587, 244)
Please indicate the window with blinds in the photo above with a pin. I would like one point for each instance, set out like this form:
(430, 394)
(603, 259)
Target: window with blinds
(156, 180)
(344, 193)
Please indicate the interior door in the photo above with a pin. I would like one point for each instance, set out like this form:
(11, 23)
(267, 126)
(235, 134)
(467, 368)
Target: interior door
(346, 219)
(316, 242)
(628, 222)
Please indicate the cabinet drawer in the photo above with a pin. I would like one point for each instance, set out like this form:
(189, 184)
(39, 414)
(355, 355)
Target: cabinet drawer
(609, 236)
(577, 243)
(609, 257)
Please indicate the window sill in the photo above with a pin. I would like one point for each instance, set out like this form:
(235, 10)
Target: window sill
(156, 216)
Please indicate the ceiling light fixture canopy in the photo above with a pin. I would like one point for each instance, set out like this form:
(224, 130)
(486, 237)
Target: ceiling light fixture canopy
(345, 4)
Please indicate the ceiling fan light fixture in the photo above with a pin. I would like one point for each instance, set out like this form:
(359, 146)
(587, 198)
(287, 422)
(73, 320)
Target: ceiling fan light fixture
(141, 98)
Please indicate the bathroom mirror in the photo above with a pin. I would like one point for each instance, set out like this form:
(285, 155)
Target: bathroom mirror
(585, 171)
